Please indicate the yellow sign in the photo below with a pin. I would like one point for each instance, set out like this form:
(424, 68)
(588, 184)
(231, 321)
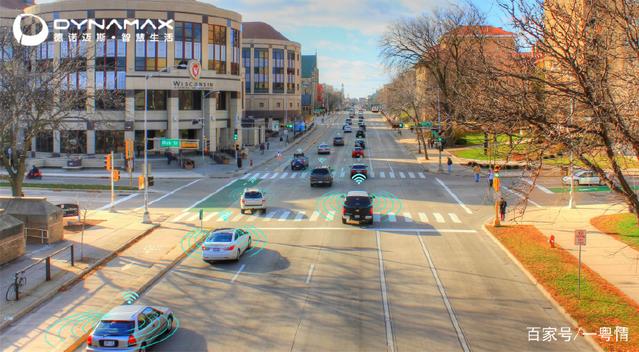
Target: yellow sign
(189, 144)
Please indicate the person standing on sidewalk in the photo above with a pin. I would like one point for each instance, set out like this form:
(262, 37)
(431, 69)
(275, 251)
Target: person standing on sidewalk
(268, 145)
(449, 162)
(262, 147)
(502, 208)
(477, 172)
(491, 177)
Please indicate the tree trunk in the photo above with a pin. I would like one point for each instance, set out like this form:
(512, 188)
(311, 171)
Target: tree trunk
(420, 136)
(485, 143)
(17, 179)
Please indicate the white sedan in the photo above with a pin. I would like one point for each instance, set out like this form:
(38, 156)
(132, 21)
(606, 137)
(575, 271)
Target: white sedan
(323, 149)
(225, 244)
(583, 177)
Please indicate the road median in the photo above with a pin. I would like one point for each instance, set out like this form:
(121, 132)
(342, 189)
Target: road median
(600, 305)
(622, 227)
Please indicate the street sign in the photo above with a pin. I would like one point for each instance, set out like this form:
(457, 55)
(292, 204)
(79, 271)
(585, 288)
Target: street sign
(169, 143)
(189, 144)
(580, 237)
(427, 124)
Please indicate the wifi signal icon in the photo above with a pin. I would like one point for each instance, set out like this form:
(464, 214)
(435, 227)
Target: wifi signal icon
(130, 296)
(359, 178)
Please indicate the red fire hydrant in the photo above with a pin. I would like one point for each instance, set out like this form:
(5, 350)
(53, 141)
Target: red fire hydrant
(552, 241)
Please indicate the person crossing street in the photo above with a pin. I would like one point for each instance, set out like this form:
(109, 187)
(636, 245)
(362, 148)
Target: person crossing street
(477, 172)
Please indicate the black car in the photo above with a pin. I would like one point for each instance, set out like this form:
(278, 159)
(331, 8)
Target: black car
(360, 143)
(360, 134)
(321, 176)
(348, 122)
(338, 140)
(358, 206)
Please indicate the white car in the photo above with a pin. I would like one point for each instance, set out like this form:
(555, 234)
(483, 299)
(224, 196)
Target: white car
(323, 149)
(583, 177)
(225, 244)
(252, 199)
(347, 129)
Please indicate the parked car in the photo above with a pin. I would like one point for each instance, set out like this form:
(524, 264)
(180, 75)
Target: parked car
(583, 177)
(360, 134)
(323, 149)
(357, 152)
(338, 140)
(299, 162)
(225, 244)
(359, 169)
(360, 143)
(131, 327)
(252, 199)
(321, 176)
(358, 206)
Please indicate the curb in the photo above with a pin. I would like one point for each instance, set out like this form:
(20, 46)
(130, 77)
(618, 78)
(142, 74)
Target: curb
(65, 285)
(541, 289)
(152, 281)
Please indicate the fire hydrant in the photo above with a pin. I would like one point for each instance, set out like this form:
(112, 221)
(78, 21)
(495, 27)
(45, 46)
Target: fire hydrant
(552, 241)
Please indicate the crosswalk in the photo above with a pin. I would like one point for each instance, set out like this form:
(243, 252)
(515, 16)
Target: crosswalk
(337, 173)
(281, 215)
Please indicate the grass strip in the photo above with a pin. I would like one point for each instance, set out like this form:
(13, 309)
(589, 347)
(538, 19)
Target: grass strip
(623, 227)
(601, 304)
(83, 187)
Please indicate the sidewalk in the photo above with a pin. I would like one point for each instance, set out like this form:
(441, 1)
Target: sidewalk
(116, 231)
(612, 259)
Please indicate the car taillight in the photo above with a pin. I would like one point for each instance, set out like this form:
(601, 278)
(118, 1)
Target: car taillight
(132, 341)
(243, 201)
(343, 211)
(370, 211)
(203, 247)
(230, 248)
(90, 340)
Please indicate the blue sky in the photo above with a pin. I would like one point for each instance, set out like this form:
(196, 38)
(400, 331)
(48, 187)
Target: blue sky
(345, 33)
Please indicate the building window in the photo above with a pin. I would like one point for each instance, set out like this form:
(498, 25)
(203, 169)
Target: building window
(217, 48)
(260, 70)
(188, 42)
(190, 100)
(278, 70)
(156, 100)
(110, 68)
(44, 142)
(220, 102)
(73, 142)
(150, 48)
(261, 105)
(109, 141)
(246, 61)
(290, 72)
(235, 52)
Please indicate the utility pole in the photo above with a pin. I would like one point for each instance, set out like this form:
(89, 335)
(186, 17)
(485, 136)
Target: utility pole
(112, 208)
(439, 125)
(571, 201)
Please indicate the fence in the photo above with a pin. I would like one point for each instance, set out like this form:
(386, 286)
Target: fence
(42, 234)
(42, 270)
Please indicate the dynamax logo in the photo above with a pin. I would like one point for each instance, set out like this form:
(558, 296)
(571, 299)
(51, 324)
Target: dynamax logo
(64, 24)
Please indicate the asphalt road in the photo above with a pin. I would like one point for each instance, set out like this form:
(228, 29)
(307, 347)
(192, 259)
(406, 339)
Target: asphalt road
(423, 277)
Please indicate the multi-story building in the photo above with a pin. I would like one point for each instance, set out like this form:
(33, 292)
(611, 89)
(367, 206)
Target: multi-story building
(121, 60)
(310, 82)
(271, 74)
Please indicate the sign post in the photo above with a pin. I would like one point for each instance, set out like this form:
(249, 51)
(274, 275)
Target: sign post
(201, 216)
(580, 240)
(112, 208)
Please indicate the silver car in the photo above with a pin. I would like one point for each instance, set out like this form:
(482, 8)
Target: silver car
(252, 199)
(131, 328)
(226, 244)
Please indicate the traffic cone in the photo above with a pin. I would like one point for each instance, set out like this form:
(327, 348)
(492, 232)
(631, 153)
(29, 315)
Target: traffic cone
(552, 241)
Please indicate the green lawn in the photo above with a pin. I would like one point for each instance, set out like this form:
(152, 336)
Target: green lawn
(84, 187)
(477, 138)
(624, 227)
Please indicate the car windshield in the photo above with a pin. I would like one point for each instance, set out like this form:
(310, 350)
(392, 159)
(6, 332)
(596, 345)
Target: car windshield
(357, 202)
(253, 195)
(115, 328)
(220, 237)
(359, 167)
(338, 138)
(320, 172)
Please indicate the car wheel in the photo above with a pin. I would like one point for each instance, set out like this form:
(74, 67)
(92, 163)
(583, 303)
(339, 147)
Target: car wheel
(343, 221)
(142, 348)
(241, 211)
(250, 243)
(239, 253)
(169, 324)
(264, 211)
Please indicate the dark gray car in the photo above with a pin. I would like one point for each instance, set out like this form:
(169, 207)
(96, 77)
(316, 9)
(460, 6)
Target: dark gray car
(321, 176)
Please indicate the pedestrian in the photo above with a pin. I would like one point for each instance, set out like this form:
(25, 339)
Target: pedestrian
(268, 145)
(140, 148)
(491, 178)
(279, 155)
(168, 157)
(262, 147)
(449, 162)
(502, 208)
(476, 171)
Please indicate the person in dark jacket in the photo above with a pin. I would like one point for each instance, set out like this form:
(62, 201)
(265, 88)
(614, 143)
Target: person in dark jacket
(502, 208)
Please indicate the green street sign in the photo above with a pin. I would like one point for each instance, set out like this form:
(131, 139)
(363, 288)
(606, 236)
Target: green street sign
(427, 124)
(169, 143)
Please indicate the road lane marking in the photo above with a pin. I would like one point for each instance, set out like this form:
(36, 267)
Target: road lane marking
(170, 193)
(382, 280)
(421, 175)
(391, 174)
(245, 176)
(314, 216)
(300, 215)
(130, 196)
(411, 175)
(192, 218)
(342, 173)
(454, 196)
(382, 174)
(304, 174)
(330, 216)
(402, 175)
(208, 217)
(391, 217)
(371, 174)
(252, 218)
(210, 195)
(237, 217)
(238, 273)
(293, 175)
(256, 175)
(442, 292)
(423, 217)
(383, 229)
(265, 176)
(284, 216)
(310, 273)
(439, 218)
(269, 215)
(408, 217)
(540, 187)
(521, 196)
(179, 217)
(275, 174)
(284, 175)
(454, 217)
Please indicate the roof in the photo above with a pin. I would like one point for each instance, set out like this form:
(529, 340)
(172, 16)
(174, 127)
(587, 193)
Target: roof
(489, 31)
(123, 312)
(357, 194)
(309, 63)
(261, 30)
(15, 4)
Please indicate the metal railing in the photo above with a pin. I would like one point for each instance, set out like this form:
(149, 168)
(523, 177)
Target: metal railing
(44, 233)
(40, 271)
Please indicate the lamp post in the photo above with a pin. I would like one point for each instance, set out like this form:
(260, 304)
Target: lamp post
(204, 96)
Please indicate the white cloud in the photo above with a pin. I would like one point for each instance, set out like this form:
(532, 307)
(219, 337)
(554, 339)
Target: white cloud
(360, 78)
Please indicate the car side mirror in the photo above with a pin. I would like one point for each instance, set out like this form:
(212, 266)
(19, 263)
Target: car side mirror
(372, 197)
(342, 196)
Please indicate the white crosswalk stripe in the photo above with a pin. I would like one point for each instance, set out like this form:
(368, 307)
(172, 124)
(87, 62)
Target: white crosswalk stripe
(179, 217)
(314, 216)
(391, 174)
(330, 216)
(275, 174)
(284, 215)
(382, 174)
(284, 175)
(411, 175)
(252, 218)
(256, 175)
(269, 215)
(342, 173)
(192, 218)
(408, 217)
(210, 215)
(392, 217)
(237, 217)
(421, 175)
(401, 174)
(293, 175)
(439, 218)
(300, 215)
(423, 217)
(245, 176)
(266, 175)
(371, 174)
(304, 174)
(454, 217)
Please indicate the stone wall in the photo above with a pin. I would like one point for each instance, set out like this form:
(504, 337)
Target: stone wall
(12, 239)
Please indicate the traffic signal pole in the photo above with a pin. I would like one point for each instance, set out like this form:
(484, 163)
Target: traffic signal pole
(439, 123)
(112, 208)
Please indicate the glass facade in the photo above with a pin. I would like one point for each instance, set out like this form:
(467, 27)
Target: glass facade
(73, 52)
(44, 142)
(290, 72)
(217, 48)
(278, 70)
(235, 52)
(246, 61)
(188, 42)
(109, 141)
(260, 70)
(220, 103)
(110, 68)
(156, 100)
(150, 48)
(190, 100)
(73, 142)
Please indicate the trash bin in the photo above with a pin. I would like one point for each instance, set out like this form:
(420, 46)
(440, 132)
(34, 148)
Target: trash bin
(188, 164)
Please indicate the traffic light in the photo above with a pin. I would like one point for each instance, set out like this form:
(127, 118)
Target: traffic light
(151, 181)
(401, 125)
(108, 162)
(235, 134)
(141, 182)
(128, 149)
(289, 125)
(496, 182)
(116, 175)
